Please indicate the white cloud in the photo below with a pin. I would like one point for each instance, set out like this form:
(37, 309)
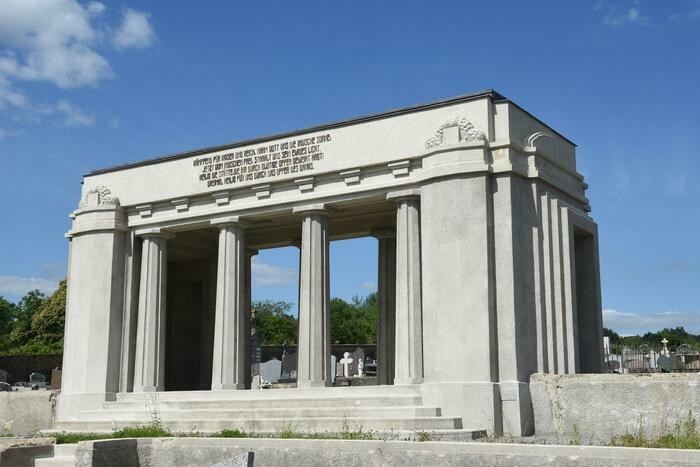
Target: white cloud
(95, 8)
(369, 285)
(73, 116)
(10, 97)
(627, 323)
(51, 40)
(19, 286)
(58, 42)
(628, 16)
(266, 274)
(135, 31)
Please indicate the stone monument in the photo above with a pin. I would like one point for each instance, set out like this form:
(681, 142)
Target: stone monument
(487, 260)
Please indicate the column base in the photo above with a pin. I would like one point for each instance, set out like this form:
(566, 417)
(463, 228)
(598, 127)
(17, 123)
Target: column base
(149, 389)
(478, 404)
(226, 386)
(313, 384)
(68, 406)
(414, 380)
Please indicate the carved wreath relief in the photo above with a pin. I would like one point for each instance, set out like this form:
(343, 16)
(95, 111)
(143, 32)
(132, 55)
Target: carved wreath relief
(104, 197)
(467, 132)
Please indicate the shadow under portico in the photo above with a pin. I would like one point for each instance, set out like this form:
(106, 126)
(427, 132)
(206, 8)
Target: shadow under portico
(192, 282)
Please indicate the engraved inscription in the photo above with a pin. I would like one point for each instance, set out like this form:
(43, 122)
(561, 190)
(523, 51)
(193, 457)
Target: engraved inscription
(262, 162)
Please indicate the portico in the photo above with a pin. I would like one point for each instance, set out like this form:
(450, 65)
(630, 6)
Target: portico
(487, 260)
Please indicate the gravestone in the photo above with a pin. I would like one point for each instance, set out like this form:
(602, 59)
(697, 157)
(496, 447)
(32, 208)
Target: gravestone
(289, 367)
(339, 368)
(270, 371)
(357, 356)
(666, 363)
(37, 378)
(333, 364)
(255, 349)
(346, 361)
(255, 383)
(56, 378)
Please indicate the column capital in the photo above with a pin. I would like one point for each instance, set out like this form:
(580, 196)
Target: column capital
(317, 208)
(155, 232)
(383, 233)
(229, 221)
(401, 195)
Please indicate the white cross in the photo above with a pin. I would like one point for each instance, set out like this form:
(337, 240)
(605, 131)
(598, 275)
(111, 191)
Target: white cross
(346, 361)
(664, 341)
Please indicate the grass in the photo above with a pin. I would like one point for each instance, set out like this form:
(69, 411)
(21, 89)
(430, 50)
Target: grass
(684, 435)
(156, 430)
(152, 430)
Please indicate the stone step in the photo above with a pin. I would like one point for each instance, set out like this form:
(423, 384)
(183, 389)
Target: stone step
(319, 393)
(63, 456)
(55, 462)
(275, 425)
(62, 450)
(264, 403)
(196, 413)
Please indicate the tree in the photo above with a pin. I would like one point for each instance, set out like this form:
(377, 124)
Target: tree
(22, 332)
(354, 322)
(49, 322)
(274, 322)
(8, 311)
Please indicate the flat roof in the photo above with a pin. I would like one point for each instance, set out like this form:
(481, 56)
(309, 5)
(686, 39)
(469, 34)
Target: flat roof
(490, 93)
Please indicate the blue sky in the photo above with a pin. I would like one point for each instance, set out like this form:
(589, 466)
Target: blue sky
(89, 85)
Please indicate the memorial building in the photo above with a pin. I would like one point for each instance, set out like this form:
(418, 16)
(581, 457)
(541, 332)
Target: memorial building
(487, 268)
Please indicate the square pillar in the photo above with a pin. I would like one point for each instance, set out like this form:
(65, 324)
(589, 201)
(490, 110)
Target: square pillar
(409, 312)
(149, 364)
(230, 326)
(313, 368)
(386, 313)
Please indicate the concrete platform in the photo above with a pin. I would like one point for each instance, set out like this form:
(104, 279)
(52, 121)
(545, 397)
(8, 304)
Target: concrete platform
(397, 411)
(204, 452)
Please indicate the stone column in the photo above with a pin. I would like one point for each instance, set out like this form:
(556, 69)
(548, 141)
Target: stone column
(386, 313)
(313, 368)
(149, 365)
(409, 314)
(250, 330)
(230, 359)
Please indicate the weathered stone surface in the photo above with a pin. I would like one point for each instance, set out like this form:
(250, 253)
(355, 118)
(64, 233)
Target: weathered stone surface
(191, 452)
(597, 407)
(25, 412)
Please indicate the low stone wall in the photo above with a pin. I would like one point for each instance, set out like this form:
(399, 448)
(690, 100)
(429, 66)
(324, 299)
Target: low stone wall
(203, 452)
(597, 407)
(25, 412)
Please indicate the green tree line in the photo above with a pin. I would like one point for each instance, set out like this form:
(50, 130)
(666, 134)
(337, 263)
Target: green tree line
(35, 324)
(675, 337)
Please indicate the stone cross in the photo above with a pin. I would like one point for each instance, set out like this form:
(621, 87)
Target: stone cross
(346, 361)
(664, 341)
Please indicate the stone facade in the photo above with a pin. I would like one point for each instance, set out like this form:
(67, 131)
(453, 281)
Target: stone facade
(488, 262)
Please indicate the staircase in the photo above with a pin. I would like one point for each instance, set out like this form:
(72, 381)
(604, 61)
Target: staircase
(389, 412)
(63, 456)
